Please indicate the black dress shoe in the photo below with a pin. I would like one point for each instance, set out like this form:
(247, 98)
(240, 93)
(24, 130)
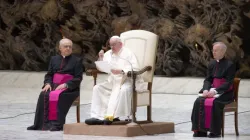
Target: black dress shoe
(31, 127)
(116, 120)
(94, 121)
(213, 135)
(107, 122)
(55, 129)
(200, 134)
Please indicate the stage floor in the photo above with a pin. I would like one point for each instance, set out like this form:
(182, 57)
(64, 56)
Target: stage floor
(120, 129)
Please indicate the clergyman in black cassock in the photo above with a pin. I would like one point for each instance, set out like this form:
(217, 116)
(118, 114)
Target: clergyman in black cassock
(61, 88)
(217, 91)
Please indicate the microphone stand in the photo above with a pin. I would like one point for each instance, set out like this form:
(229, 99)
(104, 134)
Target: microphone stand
(133, 91)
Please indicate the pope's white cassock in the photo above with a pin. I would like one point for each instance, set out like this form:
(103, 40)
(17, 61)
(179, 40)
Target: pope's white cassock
(113, 97)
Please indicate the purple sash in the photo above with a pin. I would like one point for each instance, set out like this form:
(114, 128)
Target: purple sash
(209, 101)
(208, 109)
(54, 95)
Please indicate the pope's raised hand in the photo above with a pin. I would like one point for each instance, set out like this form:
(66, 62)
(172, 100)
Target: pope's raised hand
(101, 54)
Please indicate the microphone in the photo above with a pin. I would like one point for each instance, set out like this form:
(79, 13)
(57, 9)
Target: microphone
(131, 66)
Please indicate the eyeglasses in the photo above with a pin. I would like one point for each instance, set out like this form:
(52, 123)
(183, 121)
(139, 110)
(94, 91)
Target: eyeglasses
(113, 44)
(215, 51)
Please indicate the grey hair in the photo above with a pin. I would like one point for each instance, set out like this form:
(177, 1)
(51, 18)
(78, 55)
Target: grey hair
(64, 40)
(221, 44)
(117, 38)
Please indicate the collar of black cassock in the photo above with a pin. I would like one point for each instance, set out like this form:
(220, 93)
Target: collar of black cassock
(221, 59)
(66, 57)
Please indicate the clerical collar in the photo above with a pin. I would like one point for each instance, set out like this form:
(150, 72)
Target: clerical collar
(220, 59)
(65, 56)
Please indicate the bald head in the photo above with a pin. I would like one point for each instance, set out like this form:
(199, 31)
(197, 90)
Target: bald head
(219, 50)
(65, 41)
(65, 47)
(222, 45)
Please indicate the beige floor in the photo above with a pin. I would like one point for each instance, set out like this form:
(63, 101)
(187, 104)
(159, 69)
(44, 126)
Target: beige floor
(18, 98)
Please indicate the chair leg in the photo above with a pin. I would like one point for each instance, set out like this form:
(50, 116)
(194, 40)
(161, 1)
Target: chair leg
(223, 124)
(149, 119)
(236, 123)
(78, 113)
(133, 116)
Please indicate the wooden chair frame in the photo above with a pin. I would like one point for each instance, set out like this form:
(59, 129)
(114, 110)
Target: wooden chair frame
(232, 107)
(77, 104)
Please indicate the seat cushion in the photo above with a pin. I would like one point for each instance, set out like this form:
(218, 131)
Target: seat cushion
(143, 98)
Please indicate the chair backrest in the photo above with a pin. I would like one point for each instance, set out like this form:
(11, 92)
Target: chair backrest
(236, 88)
(144, 45)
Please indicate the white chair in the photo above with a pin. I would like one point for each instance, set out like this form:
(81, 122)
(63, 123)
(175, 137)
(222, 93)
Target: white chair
(144, 45)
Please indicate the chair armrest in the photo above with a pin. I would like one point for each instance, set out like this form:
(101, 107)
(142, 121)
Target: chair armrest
(92, 72)
(135, 73)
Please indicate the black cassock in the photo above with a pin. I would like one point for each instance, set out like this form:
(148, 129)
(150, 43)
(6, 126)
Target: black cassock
(63, 65)
(224, 69)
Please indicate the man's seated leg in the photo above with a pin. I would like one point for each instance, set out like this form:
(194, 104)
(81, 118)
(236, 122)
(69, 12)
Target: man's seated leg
(216, 121)
(119, 104)
(100, 98)
(65, 101)
(40, 121)
(197, 118)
